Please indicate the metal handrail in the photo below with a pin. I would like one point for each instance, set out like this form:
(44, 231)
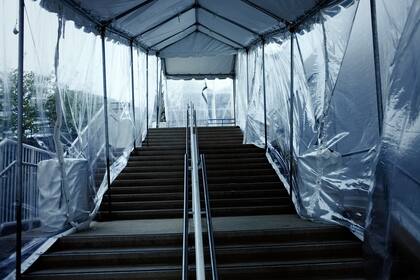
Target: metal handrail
(198, 234)
(186, 208)
(185, 223)
(214, 272)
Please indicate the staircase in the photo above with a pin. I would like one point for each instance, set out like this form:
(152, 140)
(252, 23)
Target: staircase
(257, 233)
(241, 181)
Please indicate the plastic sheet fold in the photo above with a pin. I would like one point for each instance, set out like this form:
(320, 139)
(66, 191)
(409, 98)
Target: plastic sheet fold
(333, 118)
(395, 212)
(64, 139)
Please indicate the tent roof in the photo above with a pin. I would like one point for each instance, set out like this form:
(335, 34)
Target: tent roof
(189, 28)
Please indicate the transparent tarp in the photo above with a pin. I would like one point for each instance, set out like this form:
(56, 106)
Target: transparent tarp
(395, 210)
(152, 97)
(241, 87)
(335, 129)
(320, 115)
(120, 113)
(139, 69)
(254, 132)
(213, 101)
(64, 169)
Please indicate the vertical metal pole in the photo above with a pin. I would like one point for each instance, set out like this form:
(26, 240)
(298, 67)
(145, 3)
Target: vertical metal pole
(108, 173)
(265, 98)
(18, 204)
(291, 114)
(147, 92)
(157, 91)
(132, 92)
(234, 99)
(378, 78)
(247, 81)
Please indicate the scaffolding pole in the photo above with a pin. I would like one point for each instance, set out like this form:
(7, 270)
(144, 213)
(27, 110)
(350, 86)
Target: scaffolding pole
(265, 97)
(147, 92)
(247, 82)
(19, 175)
(157, 92)
(378, 78)
(234, 98)
(292, 97)
(132, 92)
(108, 173)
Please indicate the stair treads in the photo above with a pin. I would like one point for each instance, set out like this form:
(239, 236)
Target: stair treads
(257, 233)
(139, 196)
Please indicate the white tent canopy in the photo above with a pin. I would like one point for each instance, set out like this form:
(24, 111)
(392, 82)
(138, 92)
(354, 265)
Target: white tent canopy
(196, 38)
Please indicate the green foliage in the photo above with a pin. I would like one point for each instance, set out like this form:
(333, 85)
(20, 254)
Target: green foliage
(9, 117)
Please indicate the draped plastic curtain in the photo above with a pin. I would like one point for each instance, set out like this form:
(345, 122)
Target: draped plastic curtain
(140, 90)
(213, 101)
(395, 210)
(335, 129)
(120, 114)
(64, 172)
(277, 63)
(241, 89)
(255, 115)
(153, 89)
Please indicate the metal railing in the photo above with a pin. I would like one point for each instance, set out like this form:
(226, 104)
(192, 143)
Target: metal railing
(196, 207)
(210, 234)
(8, 172)
(196, 162)
(221, 122)
(186, 208)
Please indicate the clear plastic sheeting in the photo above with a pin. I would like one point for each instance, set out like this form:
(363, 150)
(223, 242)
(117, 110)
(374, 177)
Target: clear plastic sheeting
(140, 90)
(120, 112)
(335, 165)
(254, 132)
(334, 121)
(241, 93)
(277, 62)
(395, 210)
(64, 150)
(213, 102)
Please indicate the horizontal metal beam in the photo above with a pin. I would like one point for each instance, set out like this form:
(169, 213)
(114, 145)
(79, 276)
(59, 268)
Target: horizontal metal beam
(173, 35)
(165, 21)
(229, 20)
(129, 11)
(221, 35)
(266, 12)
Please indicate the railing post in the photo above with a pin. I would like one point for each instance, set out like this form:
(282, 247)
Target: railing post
(265, 98)
(378, 78)
(19, 173)
(108, 174)
(132, 92)
(291, 114)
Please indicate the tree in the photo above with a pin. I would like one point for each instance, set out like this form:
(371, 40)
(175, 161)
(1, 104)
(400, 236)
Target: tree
(9, 115)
